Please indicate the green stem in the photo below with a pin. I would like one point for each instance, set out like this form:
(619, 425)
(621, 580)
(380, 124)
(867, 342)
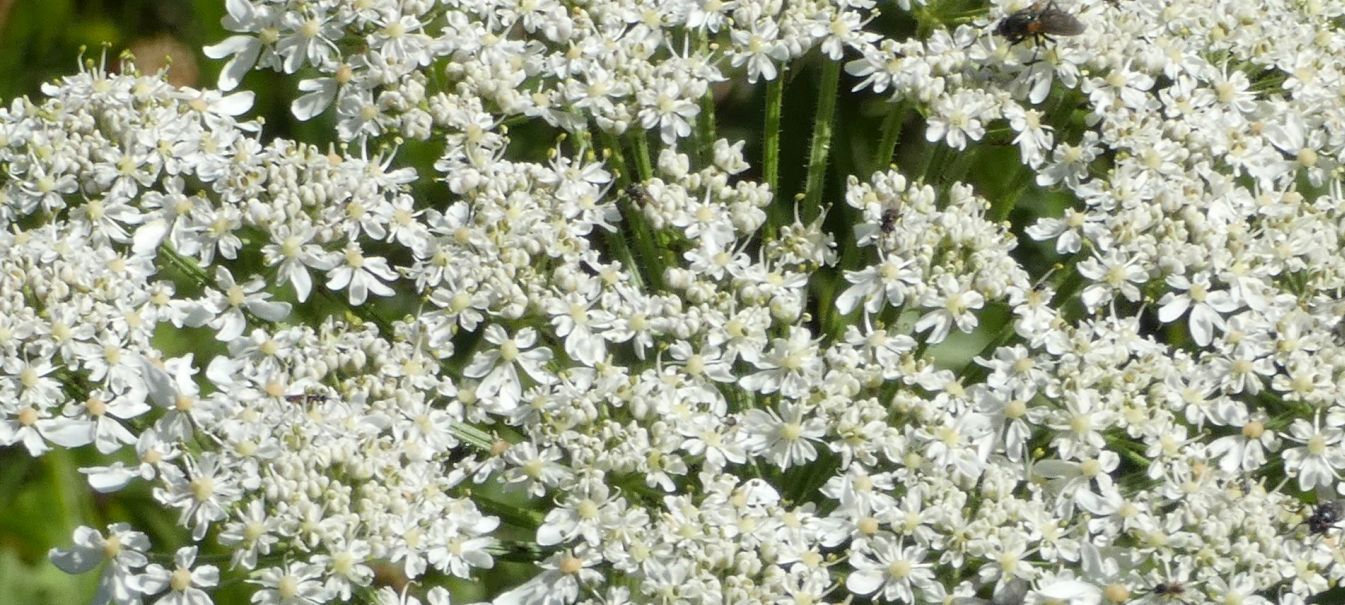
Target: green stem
(775, 97)
(71, 496)
(891, 135)
(934, 156)
(513, 515)
(1126, 450)
(188, 267)
(1069, 282)
(1001, 208)
(650, 270)
(820, 152)
(705, 122)
(472, 436)
(959, 167)
(640, 140)
(624, 254)
(617, 240)
(705, 128)
(639, 232)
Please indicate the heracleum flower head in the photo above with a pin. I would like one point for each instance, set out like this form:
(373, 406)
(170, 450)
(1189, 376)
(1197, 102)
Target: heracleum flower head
(676, 332)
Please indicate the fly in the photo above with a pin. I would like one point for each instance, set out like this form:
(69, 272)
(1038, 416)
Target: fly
(1039, 22)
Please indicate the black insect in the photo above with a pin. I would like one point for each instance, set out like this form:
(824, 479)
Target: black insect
(1039, 22)
(306, 398)
(636, 193)
(1324, 517)
(889, 221)
(1169, 589)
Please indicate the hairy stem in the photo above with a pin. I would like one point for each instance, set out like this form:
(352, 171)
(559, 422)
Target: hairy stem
(820, 151)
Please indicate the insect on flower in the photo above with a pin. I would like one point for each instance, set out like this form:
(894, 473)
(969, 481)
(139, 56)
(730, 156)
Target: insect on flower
(1039, 22)
(636, 193)
(889, 221)
(306, 398)
(1170, 590)
(1323, 518)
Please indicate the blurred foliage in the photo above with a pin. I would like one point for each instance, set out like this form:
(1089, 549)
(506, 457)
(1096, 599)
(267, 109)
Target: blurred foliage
(42, 39)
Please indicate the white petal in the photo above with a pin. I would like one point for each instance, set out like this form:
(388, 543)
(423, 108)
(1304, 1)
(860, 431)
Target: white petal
(236, 103)
(67, 432)
(310, 105)
(270, 311)
(110, 478)
(1203, 320)
(1071, 589)
(148, 237)
(75, 560)
(1173, 308)
(864, 581)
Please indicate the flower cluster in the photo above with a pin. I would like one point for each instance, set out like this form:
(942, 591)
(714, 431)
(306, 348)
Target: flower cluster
(648, 372)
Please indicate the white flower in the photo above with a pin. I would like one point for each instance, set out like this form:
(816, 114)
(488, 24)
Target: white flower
(559, 583)
(229, 302)
(580, 325)
(243, 16)
(204, 493)
(106, 409)
(1246, 450)
(1034, 138)
(889, 568)
(171, 388)
(1069, 231)
(759, 48)
(292, 252)
(346, 561)
(960, 444)
(123, 550)
(885, 284)
(953, 304)
(538, 470)
(252, 533)
(498, 367)
(583, 514)
(958, 118)
(1207, 306)
(184, 584)
(1069, 163)
(1111, 273)
(362, 275)
(785, 436)
(1075, 480)
(290, 584)
(790, 366)
(667, 105)
(1319, 458)
(308, 38)
(466, 545)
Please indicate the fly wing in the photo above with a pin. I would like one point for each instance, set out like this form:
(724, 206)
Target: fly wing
(1056, 22)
